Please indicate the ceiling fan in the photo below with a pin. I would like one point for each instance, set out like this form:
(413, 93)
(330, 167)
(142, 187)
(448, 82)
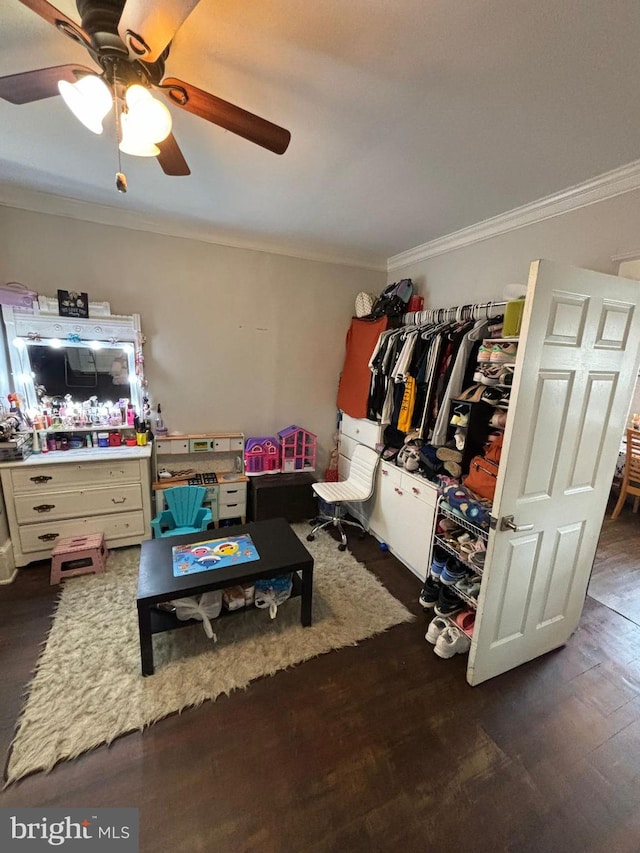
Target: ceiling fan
(130, 41)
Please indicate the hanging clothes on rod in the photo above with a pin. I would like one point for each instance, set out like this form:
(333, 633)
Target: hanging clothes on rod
(419, 367)
(477, 311)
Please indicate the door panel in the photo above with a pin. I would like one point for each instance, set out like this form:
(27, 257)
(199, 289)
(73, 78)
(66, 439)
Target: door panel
(575, 373)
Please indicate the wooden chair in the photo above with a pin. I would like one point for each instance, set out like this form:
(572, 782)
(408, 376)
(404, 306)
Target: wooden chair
(185, 514)
(631, 475)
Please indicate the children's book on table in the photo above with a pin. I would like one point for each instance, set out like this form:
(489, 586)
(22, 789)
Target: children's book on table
(213, 554)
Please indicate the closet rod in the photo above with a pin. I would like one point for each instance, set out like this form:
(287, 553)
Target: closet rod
(475, 311)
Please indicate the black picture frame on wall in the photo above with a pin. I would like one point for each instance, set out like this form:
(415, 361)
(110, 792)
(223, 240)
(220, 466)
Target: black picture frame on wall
(73, 304)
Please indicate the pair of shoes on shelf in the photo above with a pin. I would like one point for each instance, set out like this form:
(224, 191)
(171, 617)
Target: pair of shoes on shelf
(488, 374)
(449, 602)
(469, 586)
(503, 352)
(492, 395)
(447, 638)
(506, 374)
(477, 559)
(460, 438)
(452, 573)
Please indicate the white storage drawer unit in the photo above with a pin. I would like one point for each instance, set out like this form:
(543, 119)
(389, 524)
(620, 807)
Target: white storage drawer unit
(354, 431)
(49, 498)
(232, 501)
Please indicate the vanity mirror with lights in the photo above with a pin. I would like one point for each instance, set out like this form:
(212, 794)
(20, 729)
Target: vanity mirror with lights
(70, 374)
(53, 357)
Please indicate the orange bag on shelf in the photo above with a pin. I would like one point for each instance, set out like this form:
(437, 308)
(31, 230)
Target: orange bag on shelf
(483, 471)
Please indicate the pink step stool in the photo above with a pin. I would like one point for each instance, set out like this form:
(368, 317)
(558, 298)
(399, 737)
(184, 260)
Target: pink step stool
(76, 549)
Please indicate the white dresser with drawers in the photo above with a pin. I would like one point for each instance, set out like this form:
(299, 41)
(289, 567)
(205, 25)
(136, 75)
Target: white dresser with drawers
(52, 496)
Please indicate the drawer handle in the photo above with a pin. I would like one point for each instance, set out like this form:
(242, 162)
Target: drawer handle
(229, 506)
(48, 537)
(41, 478)
(398, 491)
(415, 491)
(44, 507)
(385, 473)
(114, 501)
(232, 491)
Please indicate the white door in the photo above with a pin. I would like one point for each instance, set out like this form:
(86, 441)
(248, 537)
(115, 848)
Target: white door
(577, 362)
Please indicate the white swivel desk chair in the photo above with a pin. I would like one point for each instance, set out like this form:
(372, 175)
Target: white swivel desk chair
(357, 487)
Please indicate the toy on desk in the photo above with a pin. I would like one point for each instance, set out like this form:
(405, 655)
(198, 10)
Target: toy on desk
(297, 449)
(261, 456)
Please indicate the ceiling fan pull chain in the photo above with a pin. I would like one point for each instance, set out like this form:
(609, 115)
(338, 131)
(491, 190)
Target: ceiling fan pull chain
(121, 178)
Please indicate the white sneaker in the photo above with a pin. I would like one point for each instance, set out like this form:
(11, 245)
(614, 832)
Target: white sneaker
(452, 642)
(436, 627)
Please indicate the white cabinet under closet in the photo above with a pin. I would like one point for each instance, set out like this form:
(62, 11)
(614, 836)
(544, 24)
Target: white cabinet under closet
(402, 508)
(402, 515)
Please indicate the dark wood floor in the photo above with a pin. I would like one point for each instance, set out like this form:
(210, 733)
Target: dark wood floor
(615, 581)
(380, 747)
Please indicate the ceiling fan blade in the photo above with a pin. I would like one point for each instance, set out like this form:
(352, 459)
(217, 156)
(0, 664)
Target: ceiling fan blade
(147, 26)
(58, 19)
(226, 115)
(171, 158)
(35, 85)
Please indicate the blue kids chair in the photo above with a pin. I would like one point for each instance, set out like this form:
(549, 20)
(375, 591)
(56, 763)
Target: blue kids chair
(185, 514)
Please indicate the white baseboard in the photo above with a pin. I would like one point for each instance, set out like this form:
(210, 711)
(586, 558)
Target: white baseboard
(8, 569)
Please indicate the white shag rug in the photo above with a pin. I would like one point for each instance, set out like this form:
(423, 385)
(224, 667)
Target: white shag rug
(87, 689)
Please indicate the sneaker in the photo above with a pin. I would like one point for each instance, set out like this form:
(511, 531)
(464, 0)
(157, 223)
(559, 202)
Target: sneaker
(437, 565)
(459, 437)
(452, 641)
(504, 400)
(506, 374)
(503, 353)
(484, 353)
(448, 602)
(429, 593)
(477, 559)
(492, 395)
(469, 586)
(490, 374)
(436, 627)
(452, 573)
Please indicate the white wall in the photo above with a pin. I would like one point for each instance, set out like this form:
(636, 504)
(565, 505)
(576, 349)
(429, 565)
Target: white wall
(235, 338)
(588, 238)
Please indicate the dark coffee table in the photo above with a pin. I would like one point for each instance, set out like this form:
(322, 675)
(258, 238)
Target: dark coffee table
(280, 552)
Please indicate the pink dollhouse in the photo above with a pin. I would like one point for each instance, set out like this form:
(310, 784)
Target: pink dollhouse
(261, 456)
(297, 449)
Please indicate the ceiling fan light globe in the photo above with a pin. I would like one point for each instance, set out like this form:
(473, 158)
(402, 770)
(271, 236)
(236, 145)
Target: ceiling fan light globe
(135, 144)
(89, 100)
(152, 120)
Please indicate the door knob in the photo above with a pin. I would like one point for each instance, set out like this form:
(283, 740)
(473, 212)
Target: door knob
(507, 523)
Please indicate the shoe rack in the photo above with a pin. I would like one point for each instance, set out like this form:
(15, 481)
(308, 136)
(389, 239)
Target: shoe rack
(445, 511)
(477, 426)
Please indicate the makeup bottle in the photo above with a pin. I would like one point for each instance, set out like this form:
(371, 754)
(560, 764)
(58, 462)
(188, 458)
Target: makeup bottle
(130, 415)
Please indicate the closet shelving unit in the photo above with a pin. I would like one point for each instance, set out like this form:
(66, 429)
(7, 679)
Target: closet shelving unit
(445, 511)
(575, 373)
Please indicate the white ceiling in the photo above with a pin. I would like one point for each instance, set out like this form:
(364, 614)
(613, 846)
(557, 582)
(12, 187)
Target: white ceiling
(409, 119)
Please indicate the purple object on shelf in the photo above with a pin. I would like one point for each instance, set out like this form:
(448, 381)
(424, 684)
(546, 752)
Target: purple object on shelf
(13, 293)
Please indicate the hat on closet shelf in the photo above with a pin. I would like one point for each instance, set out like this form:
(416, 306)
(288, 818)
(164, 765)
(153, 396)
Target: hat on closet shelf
(364, 304)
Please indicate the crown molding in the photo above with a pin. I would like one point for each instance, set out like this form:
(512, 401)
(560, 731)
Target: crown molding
(37, 201)
(610, 184)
